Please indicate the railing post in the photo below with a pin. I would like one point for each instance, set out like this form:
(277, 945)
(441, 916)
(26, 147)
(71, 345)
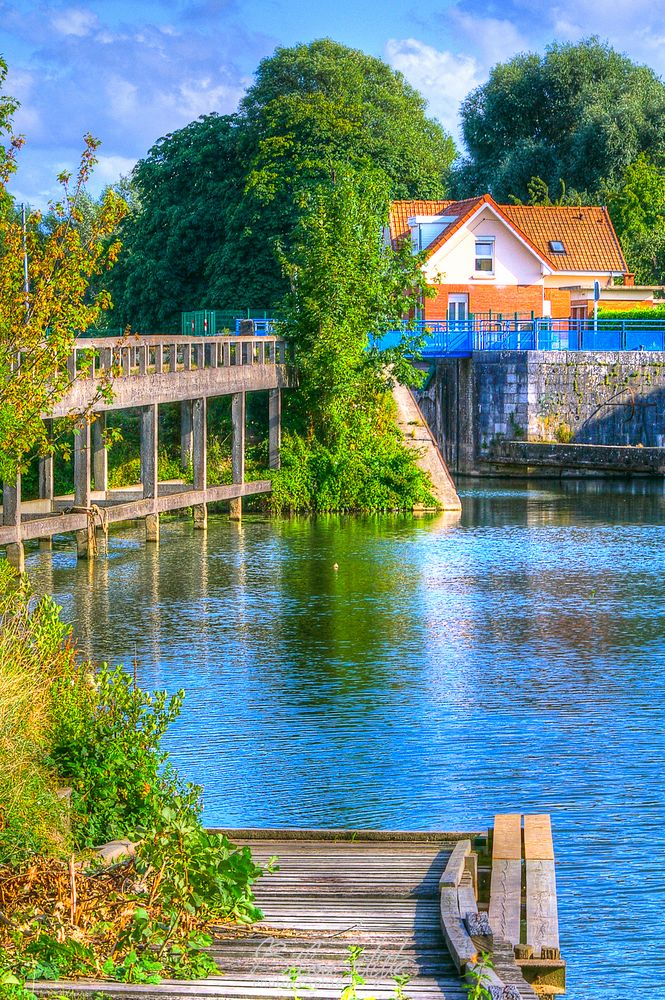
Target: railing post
(149, 467)
(143, 359)
(200, 459)
(238, 413)
(159, 359)
(11, 517)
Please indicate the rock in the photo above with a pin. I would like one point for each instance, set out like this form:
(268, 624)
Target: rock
(115, 850)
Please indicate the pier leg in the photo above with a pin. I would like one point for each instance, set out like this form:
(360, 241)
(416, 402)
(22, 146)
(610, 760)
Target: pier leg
(46, 489)
(238, 413)
(186, 433)
(100, 464)
(85, 543)
(200, 458)
(149, 473)
(274, 427)
(11, 516)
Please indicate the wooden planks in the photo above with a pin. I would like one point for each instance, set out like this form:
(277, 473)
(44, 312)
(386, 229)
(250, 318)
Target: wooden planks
(542, 921)
(506, 882)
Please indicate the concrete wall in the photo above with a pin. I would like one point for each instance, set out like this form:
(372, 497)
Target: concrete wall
(558, 396)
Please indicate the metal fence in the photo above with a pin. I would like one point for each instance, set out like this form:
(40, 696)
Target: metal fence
(441, 338)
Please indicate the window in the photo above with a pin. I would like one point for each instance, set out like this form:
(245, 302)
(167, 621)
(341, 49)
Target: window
(556, 246)
(485, 255)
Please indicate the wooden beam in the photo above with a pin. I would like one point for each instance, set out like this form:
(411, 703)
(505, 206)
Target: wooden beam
(200, 458)
(238, 422)
(542, 921)
(274, 427)
(506, 882)
(149, 471)
(100, 465)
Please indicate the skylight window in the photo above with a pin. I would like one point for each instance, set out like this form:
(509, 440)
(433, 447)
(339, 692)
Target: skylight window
(556, 246)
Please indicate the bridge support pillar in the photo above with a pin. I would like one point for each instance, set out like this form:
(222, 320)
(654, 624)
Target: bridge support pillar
(100, 464)
(149, 466)
(274, 427)
(11, 516)
(238, 421)
(186, 433)
(85, 538)
(200, 458)
(46, 488)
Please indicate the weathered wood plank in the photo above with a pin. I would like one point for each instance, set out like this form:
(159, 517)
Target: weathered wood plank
(507, 841)
(542, 922)
(454, 869)
(538, 845)
(505, 899)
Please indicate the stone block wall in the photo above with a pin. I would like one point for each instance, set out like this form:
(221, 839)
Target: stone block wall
(597, 398)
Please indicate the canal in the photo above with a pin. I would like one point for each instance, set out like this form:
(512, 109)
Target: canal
(444, 671)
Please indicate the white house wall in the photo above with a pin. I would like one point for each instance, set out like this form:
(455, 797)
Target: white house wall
(514, 263)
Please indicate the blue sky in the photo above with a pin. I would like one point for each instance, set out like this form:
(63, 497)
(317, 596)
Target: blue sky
(130, 72)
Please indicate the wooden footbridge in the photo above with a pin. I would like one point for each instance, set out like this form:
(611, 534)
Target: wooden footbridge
(424, 907)
(145, 372)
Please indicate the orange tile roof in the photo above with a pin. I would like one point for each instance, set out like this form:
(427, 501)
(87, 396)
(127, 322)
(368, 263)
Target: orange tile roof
(586, 232)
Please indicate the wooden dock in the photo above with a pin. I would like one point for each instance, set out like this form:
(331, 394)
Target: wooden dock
(407, 899)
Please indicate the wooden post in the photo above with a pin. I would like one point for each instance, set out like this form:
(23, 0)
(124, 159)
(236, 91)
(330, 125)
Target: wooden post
(186, 439)
(11, 516)
(100, 465)
(46, 491)
(200, 458)
(274, 427)
(238, 413)
(149, 467)
(82, 491)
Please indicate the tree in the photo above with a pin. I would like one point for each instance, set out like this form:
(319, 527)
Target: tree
(581, 113)
(38, 325)
(227, 188)
(637, 209)
(343, 449)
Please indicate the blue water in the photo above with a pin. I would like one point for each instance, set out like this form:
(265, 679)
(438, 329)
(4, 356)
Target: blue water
(446, 671)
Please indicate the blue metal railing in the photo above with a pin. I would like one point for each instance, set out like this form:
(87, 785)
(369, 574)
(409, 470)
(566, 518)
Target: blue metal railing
(460, 338)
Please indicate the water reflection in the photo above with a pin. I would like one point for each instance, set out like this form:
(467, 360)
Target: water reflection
(512, 660)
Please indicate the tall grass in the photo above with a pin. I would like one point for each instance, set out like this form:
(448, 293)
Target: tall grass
(34, 650)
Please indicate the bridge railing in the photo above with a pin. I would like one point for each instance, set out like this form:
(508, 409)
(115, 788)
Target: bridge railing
(460, 338)
(158, 355)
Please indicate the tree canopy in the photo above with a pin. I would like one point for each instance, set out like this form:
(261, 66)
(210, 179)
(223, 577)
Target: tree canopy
(582, 113)
(637, 209)
(219, 196)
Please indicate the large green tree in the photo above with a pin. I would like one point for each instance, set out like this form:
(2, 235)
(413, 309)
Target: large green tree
(581, 113)
(637, 208)
(219, 196)
(342, 449)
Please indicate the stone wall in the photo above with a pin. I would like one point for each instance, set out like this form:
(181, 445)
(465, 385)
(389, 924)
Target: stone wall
(597, 398)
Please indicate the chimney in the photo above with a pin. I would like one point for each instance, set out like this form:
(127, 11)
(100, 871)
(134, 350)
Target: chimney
(629, 279)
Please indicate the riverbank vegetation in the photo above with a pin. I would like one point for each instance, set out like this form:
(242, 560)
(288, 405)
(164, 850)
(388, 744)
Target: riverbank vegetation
(80, 765)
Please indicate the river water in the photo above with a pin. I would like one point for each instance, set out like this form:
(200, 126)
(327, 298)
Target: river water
(512, 661)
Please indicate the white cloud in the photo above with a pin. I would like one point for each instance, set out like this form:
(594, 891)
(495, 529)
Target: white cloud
(442, 78)
(74, 21)
(491, 39)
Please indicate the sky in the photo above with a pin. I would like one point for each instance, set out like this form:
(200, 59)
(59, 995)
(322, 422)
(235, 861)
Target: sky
(131, 71)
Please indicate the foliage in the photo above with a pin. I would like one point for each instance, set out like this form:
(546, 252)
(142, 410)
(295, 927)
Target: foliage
(227, 188)
(637, 208)
(347, 288)
(477, 979)
(40, 324)
(33, 654)
(582, 112)
(139, 918)
(643, 312)
(105, 744)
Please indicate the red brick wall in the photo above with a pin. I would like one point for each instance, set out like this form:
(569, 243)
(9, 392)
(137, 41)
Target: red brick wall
(560, 302)
(505, 299)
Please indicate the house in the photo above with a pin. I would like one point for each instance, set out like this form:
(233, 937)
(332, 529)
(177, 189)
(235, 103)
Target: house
(531, 260)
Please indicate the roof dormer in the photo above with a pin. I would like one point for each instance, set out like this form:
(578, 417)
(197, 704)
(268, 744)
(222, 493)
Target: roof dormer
(426, 228)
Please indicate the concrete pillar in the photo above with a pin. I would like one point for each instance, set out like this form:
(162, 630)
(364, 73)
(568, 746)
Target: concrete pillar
(274, 427)
(46, 488)
(466, 416)
(149, 468)
(11, 517)
(238, 415)
(82, 487)
(100, 464)
(200, 458)
(186, 433)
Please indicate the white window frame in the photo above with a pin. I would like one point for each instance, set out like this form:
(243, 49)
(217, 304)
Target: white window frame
(484, 271)
(458, 300)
